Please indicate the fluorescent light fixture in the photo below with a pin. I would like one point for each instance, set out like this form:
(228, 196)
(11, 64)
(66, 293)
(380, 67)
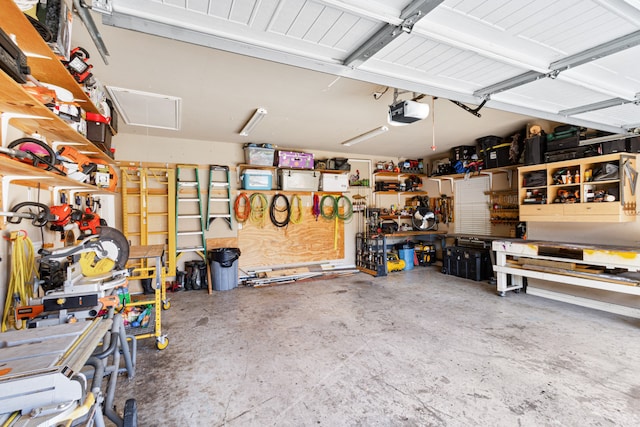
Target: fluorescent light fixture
(253, 121)
(365, 136)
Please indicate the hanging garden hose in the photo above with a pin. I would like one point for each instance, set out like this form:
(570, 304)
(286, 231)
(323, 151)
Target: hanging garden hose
(334, 207)
(316, 206)
(259, 205)
(274, 210)
(23, 271)
(348, 208)
(242, 216)
(295, 211)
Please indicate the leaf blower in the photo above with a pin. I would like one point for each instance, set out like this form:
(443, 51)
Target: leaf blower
(66, 217)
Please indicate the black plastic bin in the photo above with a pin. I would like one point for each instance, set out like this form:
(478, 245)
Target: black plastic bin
(224, 268)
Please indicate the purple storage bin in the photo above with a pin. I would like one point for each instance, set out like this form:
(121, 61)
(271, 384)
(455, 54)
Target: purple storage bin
(295, 160)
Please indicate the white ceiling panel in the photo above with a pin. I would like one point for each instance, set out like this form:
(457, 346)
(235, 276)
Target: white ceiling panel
(536, 57)
(550, 95)
(617, 74)
(449, 65)
(627, 115)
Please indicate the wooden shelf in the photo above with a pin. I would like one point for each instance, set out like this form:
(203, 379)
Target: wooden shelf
(33, 177)
(44, 64)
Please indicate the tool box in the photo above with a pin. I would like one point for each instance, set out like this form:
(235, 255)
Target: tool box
(467, 263)
(257, 179)
(462, 152)
(494, 151)
(534, 149)
(334, 182)
(294, 159)
(298, 180)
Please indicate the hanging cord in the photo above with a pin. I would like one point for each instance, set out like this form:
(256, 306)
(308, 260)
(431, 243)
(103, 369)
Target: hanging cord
(348, 208)
(295, 211)
(334, 207)
(23, 271)
(274, 209)
(242, 216)
(259, 205)
(316, 206)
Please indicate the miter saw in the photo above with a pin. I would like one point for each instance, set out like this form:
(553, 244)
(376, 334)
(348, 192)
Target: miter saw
(94, 270)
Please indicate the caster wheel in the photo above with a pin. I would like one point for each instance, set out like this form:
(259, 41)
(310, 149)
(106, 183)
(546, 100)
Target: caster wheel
(502, 294)
(130, 413)
(166, 305)
(517, 291)
(162, 344)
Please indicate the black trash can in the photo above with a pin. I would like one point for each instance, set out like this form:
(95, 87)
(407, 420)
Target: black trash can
(224, 268)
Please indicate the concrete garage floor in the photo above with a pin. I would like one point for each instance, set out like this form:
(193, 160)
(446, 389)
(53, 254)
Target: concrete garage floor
(416, 348)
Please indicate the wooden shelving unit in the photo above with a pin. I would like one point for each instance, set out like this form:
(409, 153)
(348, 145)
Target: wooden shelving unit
(573, 200)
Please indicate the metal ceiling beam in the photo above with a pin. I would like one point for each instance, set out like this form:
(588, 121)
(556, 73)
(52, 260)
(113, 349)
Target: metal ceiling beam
(613, 102)
(524, 78)
(411, 14)
(605, 49)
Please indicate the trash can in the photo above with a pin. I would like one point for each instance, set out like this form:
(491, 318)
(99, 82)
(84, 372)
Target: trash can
(224, 268)
(406, 252)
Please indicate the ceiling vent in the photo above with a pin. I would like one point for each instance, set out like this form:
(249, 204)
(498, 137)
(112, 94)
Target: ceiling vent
(147, 109)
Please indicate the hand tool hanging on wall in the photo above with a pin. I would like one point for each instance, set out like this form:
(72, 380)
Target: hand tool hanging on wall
(35, 152)
(38, 213)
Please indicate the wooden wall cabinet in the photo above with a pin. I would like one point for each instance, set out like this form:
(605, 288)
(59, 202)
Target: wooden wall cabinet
(592, 189)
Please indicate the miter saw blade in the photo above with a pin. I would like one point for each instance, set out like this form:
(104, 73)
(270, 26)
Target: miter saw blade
(109, 244)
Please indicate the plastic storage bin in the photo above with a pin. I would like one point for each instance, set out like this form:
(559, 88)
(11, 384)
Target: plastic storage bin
(224, 268)
(259, 156)
(295, 160)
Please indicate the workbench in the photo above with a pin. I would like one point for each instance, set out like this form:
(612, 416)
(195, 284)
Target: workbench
(573, 264)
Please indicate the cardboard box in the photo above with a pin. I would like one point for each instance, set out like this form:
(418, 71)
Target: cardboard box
(334, 182)
(298, 180)
(257, 179)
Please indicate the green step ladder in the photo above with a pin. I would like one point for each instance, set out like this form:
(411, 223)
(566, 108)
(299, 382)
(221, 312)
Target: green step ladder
(190, 233)
(219, 195)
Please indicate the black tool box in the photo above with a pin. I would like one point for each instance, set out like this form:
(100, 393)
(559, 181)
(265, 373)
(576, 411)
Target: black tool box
(534, 149)
(563, 144)
(462, 152)
(571, 154)
(467, 263)
(628, 145)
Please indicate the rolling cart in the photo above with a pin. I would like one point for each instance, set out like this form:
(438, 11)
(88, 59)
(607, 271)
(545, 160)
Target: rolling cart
(159, 301)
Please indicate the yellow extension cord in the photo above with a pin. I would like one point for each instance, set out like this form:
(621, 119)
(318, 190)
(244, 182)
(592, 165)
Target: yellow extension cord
(296, 204)
(259, 206)
(23, 271)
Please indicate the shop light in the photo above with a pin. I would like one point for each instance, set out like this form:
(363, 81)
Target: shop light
(367, 135)
(253, 121)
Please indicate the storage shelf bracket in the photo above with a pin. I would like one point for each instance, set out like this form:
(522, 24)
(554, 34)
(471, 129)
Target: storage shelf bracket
(509, 173)
(4, 122)
(439, 181)
(6, 181)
